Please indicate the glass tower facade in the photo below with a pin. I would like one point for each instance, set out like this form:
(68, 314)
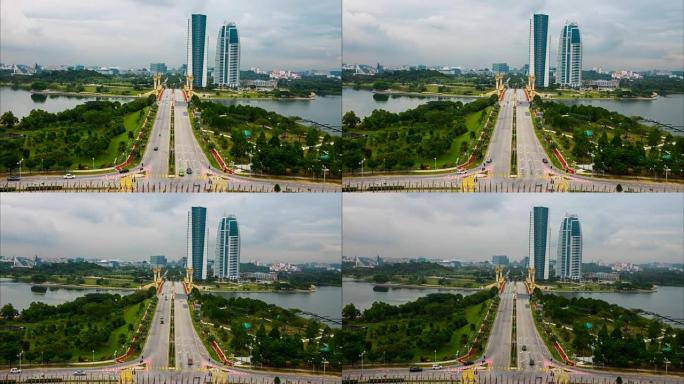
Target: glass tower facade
(227, 265)
(539, 50)
(197, 49)
(539, 227)
(569, 68)
(569, 261)
(197, 242)
(227, 66)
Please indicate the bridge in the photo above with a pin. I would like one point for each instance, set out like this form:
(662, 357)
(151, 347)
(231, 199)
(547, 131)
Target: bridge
(664, 318)
(676, 128)
(334, 128)
(326, 319)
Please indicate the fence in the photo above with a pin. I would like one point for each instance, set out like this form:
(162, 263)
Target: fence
(504, 187)
(158, 187)
(162, 378)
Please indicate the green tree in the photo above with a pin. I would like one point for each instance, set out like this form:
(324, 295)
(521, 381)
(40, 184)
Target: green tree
(350, 312)
(8, 120)
(8, 312)
(350, 120)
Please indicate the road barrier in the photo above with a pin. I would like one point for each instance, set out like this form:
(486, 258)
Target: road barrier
(516, 186)
(143, 186)
(170, 378)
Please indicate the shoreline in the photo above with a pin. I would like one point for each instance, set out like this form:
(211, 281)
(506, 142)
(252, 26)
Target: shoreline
(415, 286)
(67, 286)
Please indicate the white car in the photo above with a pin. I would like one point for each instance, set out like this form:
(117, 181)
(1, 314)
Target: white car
(15, 370)
(436, 367)
(69, 176)
(461, 172)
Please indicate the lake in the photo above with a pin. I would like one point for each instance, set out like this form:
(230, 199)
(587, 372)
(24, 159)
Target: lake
(323, 109)
(362, 102)
(362, 295)
(19, 294)
(324, 301)
(668, 301)
(21, 103)
(664, 109)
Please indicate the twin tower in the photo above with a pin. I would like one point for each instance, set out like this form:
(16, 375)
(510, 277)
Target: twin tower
(227, 248)
(227, 61)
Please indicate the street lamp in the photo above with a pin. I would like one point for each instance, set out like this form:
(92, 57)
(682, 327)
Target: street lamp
(19, 163)
(435, 356)
(324, 363)
(19, 355)
(362, 353)
(435, 163)
(93, 360)
(93, 163)
(324, 171)
(666, 171)
(362, 161)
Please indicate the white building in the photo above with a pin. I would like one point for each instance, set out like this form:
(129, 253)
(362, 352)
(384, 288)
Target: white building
(227, 66)
(569, 69)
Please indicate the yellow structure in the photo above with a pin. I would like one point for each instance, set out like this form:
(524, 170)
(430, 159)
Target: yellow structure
(499, 276)
(530, 87)
(188, 85)
(499, 84)
(126, 376)
(530, 278)
(188, 278)
(157, 83)
(468, 376)
(157, 276)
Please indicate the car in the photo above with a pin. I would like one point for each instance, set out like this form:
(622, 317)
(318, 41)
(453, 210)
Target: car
(531, 362)
(189, 360)
(524, 347)
(13, 178)
(188, 171)
(489, 160)
(461, 172)
(545, 161)
(162, 321)
(415, 368)
(15, 371)
(181, 173)
(124, 170)
(69, 176)
(156, 148)
(436, 367)
(79, 373)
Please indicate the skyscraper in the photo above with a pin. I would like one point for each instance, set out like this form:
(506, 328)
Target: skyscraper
(539, 50)
(196, 238)
(569, 69)
(539, 226)
(569, 262)
(227, 67)
(196, 42)
(227, 265)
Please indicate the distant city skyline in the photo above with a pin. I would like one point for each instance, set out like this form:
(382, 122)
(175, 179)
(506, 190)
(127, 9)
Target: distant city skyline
(291, 228)
(296, 35)
(631, 35)
(630, 228)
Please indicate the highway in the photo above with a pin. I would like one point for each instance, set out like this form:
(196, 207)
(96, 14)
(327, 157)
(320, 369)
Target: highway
(533, 174)
(495, 364)
(153, 362)
(151, 173)
(498, 350)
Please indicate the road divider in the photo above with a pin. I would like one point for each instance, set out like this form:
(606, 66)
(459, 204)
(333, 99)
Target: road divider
(172, 146)
(514, 146)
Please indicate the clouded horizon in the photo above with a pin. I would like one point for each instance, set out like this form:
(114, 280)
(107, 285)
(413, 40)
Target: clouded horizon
(631, 34)
(636, 228)
(293, 228)
(295, 35)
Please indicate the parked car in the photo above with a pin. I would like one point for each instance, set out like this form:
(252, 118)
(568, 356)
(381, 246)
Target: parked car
(15, 371)
(415, 368)
(13, 178)
(436, 366)
(69, 176)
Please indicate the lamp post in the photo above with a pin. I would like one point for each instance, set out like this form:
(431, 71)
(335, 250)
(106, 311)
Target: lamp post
(19, 163)
(93, 163)
(324, 363)
(93, 360)
(435, 357)
(324, 171)
(362, 161)
(19, 355)
(435, 163)
(362, 353)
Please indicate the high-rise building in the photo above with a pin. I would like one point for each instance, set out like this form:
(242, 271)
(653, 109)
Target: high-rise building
(539, 228)
(158, 68)
(500, 260)
(227, 261)
(569, 69)
(158, 260)
(227, 67)
(500, 68)
(539, 50)
(569, 261)
(196, 237)
(196, 43)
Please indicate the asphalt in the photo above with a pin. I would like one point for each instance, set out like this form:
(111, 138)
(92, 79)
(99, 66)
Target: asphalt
(498, 350)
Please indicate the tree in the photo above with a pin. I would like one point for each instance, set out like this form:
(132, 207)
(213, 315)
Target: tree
(8, 312)
(276, 188)
(350, 312)
(8, 120)
(350, 120)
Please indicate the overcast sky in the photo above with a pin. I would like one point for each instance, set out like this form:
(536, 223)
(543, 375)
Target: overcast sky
(616, 34)
(293, 34)
(637, 228)
(292, 228)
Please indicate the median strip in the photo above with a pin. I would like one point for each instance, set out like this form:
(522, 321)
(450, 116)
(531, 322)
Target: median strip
(514, 338)
(172, 152)
(514, 147)
(172, 340)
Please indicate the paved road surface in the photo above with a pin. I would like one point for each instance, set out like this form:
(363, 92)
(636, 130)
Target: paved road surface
(528, 335)
(499, 150)
(498, 349)
(156, 354)
(156, 163)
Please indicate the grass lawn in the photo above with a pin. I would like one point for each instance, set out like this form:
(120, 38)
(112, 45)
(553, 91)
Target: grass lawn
(132, 316)
(454, 156)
